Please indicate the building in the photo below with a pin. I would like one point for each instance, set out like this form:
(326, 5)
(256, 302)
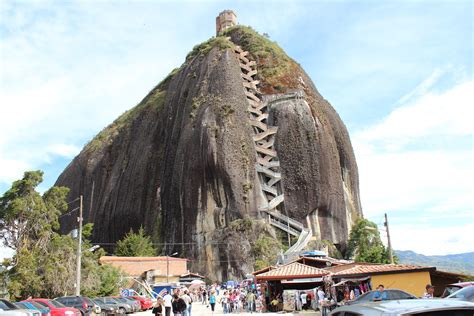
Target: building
(224, 20)
(152, 269)
(410, 278)
(188, 278)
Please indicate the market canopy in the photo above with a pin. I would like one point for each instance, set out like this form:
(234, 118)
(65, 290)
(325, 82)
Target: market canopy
(292, 271)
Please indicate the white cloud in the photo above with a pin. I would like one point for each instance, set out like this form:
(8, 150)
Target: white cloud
(432, 115)
(417, 165)
(433, 240)
(64, 150)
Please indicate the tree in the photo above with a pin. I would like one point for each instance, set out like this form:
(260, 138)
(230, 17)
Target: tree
(135, 245)
(44, 263)
(365, 244)
(25, 215)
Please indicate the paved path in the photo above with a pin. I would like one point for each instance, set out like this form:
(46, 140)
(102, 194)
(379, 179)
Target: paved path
(201, 310)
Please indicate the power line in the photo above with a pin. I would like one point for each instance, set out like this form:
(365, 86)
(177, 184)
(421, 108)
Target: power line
(68, 213)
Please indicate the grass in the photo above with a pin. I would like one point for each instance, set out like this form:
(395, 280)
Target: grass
(203, 48)
(154, 100)
(277, 72)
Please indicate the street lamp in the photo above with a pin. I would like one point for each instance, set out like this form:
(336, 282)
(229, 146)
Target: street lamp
(168, 266)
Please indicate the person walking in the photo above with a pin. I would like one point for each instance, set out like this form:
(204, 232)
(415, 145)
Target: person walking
(225, 302)
(204, 297)
(251, 301)
(167, 300)
(189, 301)
(212, 301)
(178, 305)
(158, 308)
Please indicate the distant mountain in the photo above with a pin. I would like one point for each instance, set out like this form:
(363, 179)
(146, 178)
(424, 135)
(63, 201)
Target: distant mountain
(461, 263)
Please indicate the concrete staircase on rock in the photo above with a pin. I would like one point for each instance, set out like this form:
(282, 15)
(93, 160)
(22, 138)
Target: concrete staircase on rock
(267, 164)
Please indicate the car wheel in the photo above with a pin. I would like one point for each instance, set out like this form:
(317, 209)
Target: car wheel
(122, 310)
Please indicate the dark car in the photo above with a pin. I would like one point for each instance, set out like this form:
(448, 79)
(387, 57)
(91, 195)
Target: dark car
(464, 294)
(123, 308)
(392, 294)
(81, 303)
(107, 309)
(451, 288)
(135, 305)
(45, 311)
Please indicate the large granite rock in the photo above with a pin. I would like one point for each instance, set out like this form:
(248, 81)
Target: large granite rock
(182, 163)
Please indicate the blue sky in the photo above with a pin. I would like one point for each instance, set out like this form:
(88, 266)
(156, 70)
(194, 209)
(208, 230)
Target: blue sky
(399, 73)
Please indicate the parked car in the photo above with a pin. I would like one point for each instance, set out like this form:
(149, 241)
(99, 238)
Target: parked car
(407, 307)
(451, 288)
(83, 304)
(96, 308)
(392, 294)
(45, 311)
(123, 308)
(130, 301)
(135, 303)
(464, 294)
(8, 308)
(145, 302)
(107, 309)
(56, 308)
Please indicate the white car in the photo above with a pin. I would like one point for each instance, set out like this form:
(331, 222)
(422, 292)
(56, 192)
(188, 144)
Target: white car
(8, 309)
(407, 307)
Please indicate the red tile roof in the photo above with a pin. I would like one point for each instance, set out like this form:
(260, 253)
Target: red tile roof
(139, 259)
(294, 270)
(263, 270)
(372, 268)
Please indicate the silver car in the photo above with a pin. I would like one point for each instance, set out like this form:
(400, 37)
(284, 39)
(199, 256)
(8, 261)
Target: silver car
(407, 307)
(464, 294)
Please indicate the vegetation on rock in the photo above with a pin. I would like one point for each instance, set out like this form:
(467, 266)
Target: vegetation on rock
(44, 262)
(154, 100)
(135, 245)
(200, 49)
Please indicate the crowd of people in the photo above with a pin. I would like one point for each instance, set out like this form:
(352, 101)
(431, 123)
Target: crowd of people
(179, 302)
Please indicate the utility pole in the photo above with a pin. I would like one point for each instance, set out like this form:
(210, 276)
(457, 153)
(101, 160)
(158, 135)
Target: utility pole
(79, 251)
(389, 244)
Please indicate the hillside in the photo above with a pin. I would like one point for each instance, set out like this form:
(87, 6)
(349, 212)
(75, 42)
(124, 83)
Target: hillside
(461, 263)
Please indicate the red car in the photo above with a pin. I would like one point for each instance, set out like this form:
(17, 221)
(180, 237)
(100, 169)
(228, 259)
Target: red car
(145, 302)
(57, 309)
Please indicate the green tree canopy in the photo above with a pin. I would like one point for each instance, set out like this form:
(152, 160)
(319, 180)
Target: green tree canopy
(25, 215)
(44, 263)
(365, 244)
(135, 245)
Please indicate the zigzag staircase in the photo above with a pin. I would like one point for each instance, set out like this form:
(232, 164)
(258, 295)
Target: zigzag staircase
(268, 165)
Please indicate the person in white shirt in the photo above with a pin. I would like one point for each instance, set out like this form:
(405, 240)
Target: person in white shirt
(321, 296)
(167, 300)
(303, 300)
(429, 292)
(188, 300)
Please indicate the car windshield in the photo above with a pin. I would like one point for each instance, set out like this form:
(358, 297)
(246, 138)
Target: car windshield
(364, 297)
(465, 294)
(451, 289)
(5, 305)
(37, 305)
(56, 304)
